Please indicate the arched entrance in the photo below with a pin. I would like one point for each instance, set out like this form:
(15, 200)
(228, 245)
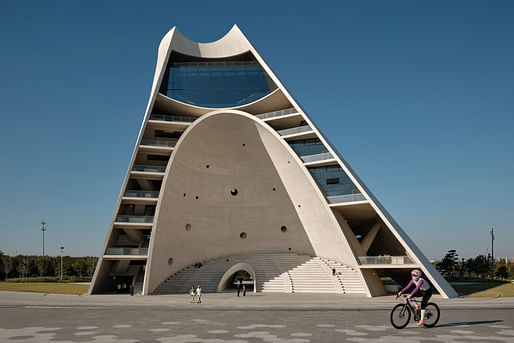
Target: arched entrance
(228, 278)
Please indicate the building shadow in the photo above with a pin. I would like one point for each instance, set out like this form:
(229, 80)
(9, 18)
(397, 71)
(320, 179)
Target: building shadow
(478, 322)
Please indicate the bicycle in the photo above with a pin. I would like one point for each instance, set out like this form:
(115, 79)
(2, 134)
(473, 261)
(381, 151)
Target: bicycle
(401, 313)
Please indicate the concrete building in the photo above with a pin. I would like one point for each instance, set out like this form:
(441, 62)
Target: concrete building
(229, 174)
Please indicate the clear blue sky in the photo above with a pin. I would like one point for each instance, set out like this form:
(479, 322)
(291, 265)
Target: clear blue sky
(417, 96)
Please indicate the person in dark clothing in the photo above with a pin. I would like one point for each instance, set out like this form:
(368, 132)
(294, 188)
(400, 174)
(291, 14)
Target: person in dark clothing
(239, 285)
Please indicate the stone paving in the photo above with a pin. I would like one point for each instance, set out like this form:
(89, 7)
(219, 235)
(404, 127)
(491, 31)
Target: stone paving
(259, 318)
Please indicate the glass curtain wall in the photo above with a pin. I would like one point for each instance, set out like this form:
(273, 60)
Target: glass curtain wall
(334, 181)
(307, 147)
(218, 84)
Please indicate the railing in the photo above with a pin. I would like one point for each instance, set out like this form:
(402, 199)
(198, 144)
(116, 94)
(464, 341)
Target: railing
(141, 194)
(165, 117)
(277, 113)
(294, 130)
(217, 63)
(385, 260)
(158, 142)
(146, 168)
(335, 199)
(134, 219)
(317, 157)
(126, 251)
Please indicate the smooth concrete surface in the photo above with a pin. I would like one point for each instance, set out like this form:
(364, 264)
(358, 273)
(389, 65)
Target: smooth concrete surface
(304, 206)
(284, 318)
(229, 300)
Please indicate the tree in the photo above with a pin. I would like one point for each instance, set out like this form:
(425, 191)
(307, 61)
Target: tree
(447, 265)
(91, 264)
(43, 265)
(481, 265)
(502, 273)
(24, 266)
(7, 262)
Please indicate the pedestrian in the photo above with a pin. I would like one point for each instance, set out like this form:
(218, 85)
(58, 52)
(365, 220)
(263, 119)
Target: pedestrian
(244, 291)
(131, 289)
(199, 294)
(239, 286)
(192, 294)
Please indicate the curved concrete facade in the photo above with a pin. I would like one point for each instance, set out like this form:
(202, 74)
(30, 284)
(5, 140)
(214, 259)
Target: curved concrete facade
(176, 208)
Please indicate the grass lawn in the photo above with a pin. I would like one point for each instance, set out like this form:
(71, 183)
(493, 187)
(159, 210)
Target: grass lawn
(477, 287)
(506, 290)
(44, 287)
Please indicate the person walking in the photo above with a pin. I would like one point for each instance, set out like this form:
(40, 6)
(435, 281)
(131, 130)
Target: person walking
(199, 294)
(131, 289)
(192, 294)
(244, 290)
(239, 286)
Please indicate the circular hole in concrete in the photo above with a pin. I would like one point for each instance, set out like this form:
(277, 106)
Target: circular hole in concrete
(188, 227)
(233, 191)
(243, 235)
(170, 260)
(283, 228)
(207, 166)
(196, 197)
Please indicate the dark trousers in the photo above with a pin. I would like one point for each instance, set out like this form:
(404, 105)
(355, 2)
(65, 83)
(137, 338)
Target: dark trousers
(425, 297)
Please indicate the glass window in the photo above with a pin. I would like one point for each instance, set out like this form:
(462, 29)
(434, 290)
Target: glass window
(218, 84)
(307, 147)
(326, 178)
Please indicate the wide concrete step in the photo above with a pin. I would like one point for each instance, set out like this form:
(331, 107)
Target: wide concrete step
(274, 273)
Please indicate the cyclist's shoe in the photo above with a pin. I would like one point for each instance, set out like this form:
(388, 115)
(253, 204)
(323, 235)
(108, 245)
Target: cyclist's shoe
(421, 322)
(416, 308)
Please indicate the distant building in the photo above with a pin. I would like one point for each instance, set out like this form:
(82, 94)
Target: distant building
(229, 174)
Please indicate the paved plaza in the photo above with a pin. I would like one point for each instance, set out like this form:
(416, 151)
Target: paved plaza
(291, 318)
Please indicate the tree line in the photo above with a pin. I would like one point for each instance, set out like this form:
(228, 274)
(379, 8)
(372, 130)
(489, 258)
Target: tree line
(451, 267)
(25, 266)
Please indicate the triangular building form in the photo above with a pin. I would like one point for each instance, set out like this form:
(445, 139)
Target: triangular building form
(229, 174)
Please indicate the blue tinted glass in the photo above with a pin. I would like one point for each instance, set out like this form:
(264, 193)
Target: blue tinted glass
(343, 186)
(308, 147)
(218, 84)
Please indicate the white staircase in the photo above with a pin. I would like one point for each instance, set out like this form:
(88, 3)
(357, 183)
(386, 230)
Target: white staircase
(274, 272)
(348, 277)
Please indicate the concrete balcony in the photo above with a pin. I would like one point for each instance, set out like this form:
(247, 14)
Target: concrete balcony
(386, 262)
(140, 197)
(346, 198)
(127, 251)
(277, 114)
(318, 160)
(157, 145)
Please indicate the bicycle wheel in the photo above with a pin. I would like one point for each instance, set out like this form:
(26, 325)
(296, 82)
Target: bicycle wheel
(432, 314)
(400, 316)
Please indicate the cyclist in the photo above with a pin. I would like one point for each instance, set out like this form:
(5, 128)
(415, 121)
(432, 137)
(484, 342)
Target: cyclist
(421, 285)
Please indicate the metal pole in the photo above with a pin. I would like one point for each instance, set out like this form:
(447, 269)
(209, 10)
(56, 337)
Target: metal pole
(43, 229)
(62, 248)
(492, 254)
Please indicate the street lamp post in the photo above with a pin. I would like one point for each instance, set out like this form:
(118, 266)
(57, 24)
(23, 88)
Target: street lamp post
(492, 253)
(43, 229)
(62, 249)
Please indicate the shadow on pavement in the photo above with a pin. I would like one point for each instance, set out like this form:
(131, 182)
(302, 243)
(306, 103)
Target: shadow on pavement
(469, 323)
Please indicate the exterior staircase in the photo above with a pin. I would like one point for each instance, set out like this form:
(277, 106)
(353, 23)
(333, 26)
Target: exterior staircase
(274, 272)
